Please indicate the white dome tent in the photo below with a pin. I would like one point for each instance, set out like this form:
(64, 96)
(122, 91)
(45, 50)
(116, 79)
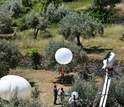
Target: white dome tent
(14, 86)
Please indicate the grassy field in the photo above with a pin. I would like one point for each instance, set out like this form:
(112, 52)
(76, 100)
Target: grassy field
(79, 4)
(97, 47)
(109, 42)
(100, 45)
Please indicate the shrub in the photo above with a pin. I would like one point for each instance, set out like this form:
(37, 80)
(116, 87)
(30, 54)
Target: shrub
(22, 25)
(5, 22)
(87, 91)
(9, 56)
(119, 91)
(4, 68)
(101, 14)
(22, 103)
(53, 46)
(92, 66)
(116, 91)
(35, 56)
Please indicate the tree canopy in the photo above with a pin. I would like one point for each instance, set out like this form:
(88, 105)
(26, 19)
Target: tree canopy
(47, 2)
(35, 21)
(9, 56)
(5, 22)
(76, 25)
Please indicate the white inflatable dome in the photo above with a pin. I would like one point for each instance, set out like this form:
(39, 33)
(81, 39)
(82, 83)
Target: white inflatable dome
(14, 86)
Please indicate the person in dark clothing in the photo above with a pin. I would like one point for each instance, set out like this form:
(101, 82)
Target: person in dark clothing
(74, 103)
(55, 94)
(62, 94)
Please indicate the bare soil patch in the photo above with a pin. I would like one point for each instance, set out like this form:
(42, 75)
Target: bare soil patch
(45, 81)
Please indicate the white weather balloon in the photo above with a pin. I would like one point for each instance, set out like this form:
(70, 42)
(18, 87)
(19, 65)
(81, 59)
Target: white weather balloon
(63, 56)
(14, 86)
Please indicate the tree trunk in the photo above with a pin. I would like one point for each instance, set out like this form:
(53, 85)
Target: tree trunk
(78, 42)
(36, 33)
(34, 30)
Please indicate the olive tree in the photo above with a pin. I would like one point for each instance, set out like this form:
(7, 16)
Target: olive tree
(5, 21)
(36, 22)
(9, 56)
(77, 25)
(13, 6)
(22, 103)
(55, 14)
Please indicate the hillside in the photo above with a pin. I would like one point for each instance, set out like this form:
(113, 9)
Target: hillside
(32, 30)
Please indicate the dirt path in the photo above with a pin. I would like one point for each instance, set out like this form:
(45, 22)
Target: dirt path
(45, 81)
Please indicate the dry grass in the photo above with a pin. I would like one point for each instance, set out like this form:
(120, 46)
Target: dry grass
(26, 42)
(120, 7)
(77, 5)
(109, 40)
